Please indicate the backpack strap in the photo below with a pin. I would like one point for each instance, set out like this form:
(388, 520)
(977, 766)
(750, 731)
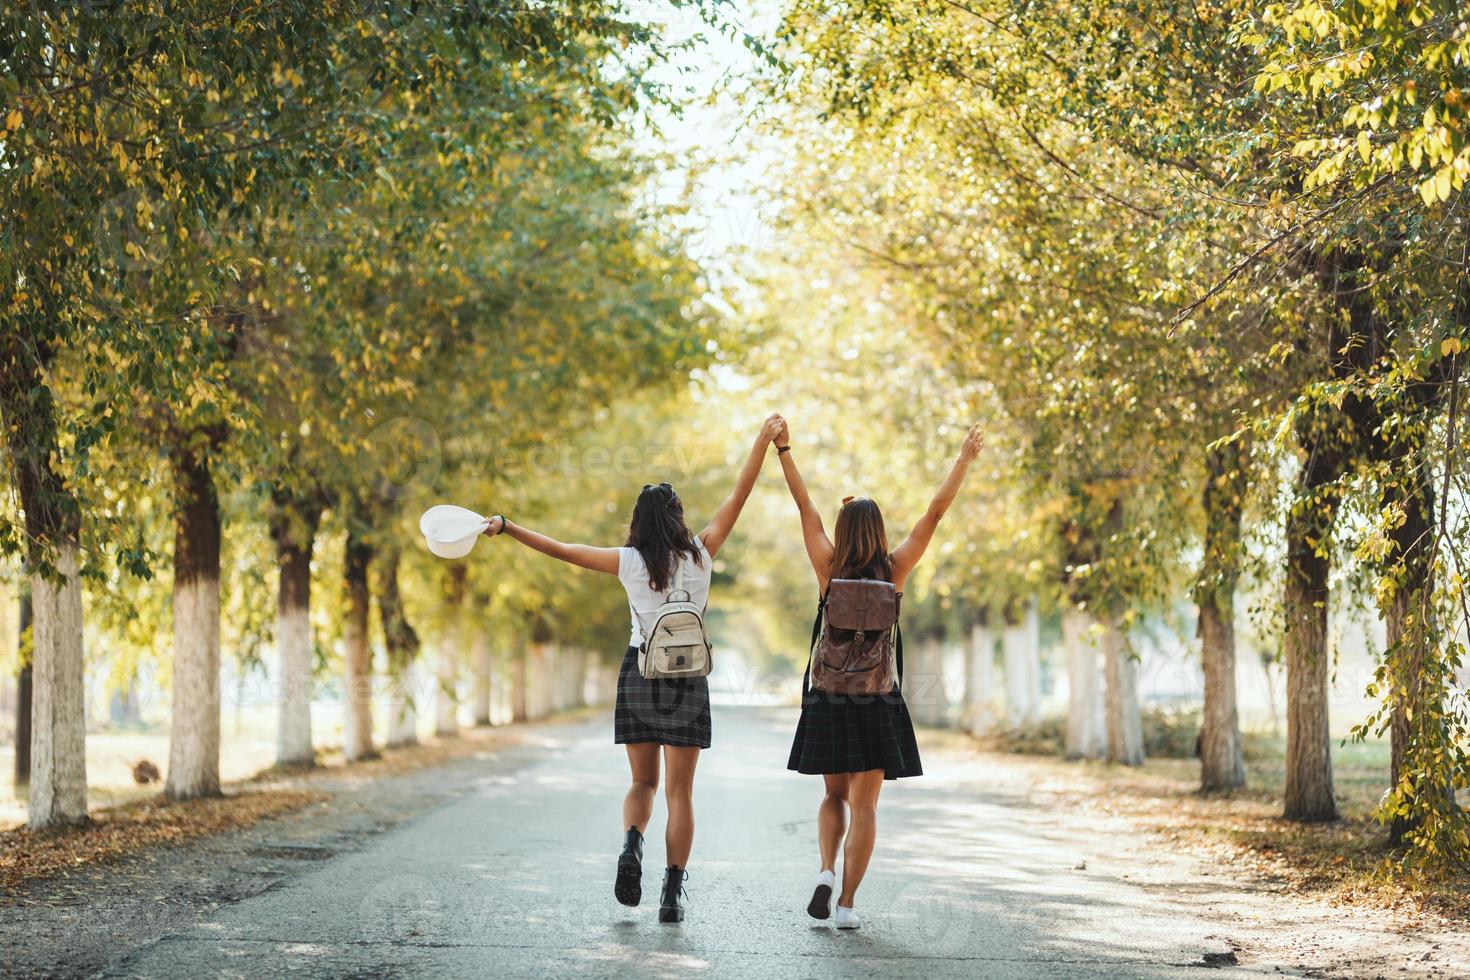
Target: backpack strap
(898, 657)
(898, 643)
(811, 647)
(642, 646)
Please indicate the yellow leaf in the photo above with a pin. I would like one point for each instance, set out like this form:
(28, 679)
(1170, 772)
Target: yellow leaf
(13, 120)
(1449, 347)
(1426, 191)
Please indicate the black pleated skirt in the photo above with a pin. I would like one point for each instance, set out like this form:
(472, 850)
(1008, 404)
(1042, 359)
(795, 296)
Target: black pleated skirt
(666, 711)
(855, 733)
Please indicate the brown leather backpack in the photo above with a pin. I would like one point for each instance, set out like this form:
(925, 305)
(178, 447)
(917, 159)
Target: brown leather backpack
(857, 647)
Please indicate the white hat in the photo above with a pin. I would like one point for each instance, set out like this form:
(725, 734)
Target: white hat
(452, 531)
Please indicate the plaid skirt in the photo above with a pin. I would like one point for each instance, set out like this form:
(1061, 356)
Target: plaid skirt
(855, 733)
(666, 711)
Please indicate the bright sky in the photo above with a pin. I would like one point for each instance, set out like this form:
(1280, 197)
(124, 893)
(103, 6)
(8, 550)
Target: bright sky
(717, 155)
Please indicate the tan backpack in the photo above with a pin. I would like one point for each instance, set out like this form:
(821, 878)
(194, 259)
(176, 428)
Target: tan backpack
(857, 647)
(677, 645)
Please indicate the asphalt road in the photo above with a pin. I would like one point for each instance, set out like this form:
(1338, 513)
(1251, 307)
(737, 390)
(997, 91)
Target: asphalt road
(512, 876)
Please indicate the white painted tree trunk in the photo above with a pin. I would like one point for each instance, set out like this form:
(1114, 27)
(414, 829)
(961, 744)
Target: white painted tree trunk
(357, 653)
(193, 756)
(550, 680)
(537, 695)
(1086, 736)
(193, 748)
(1125, 725)
(980, 680)
(402, 718)
(540, 692)
(579, 690)
(58, 712)
(450, 652)
(483, 664)
(294, 528)
(1021, 644)
(402, 642)
(520, 682)
(293, 729)
(446, 681)
(293, 642)
(923, 683)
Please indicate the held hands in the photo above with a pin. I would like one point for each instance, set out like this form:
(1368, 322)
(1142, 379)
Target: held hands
(973, 441)
(773, 429)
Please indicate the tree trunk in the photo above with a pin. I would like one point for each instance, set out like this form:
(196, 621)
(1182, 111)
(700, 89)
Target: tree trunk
(520, 706)
(403, 649)
(584, 661)
(53, 526)
(1408, 639)
(1309, 791)
(193, 751)
(1124, 723)
(927, 683)
(58, 708)
(1222, 755)
(538, 698)
(1309, 795)
(23, 688)
(1022, 649)
(357, 660)
(403, 715)
(294, 527)
(482, 662)
(446, 687)
(980, 679)
(1222, 758)
(1086, 735)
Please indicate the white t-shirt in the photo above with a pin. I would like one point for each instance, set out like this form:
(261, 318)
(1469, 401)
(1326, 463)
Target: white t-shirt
(644, 602)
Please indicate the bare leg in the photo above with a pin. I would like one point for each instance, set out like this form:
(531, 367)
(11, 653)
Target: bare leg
(832, 819)
(638, 804)
(679, 763)
(862, 796)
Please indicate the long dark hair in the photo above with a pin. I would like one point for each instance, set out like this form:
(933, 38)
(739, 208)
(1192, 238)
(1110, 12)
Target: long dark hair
(659, 533)
(860, 542)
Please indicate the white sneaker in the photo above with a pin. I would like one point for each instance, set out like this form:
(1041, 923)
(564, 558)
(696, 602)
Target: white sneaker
(847, 918)
(820, 907)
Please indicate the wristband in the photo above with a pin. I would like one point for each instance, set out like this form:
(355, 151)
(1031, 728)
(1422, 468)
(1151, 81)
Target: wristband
(781, 450)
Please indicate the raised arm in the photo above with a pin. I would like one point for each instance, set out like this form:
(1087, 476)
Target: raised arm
(813, 535)
(719, 526)
(907, 555)
(581, 555)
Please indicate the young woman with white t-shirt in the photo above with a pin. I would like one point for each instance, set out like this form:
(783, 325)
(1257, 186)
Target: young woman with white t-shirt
(668, 717)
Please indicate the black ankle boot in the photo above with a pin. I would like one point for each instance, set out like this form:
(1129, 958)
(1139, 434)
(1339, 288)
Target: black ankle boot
(671, 908)
(629, 886)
